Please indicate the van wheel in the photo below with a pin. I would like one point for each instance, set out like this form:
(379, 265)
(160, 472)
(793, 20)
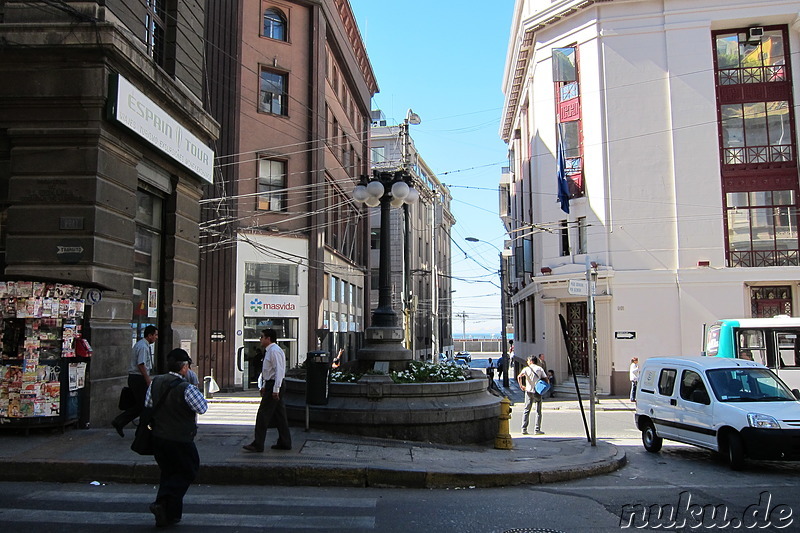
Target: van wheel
(652, 442)
(735, 451)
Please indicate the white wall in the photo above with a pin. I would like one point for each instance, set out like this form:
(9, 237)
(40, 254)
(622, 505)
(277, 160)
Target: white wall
(652, 171)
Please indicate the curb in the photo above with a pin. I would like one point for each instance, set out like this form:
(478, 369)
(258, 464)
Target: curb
(301, 475)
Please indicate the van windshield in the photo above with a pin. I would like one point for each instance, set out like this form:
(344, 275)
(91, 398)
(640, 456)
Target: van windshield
(748, 385)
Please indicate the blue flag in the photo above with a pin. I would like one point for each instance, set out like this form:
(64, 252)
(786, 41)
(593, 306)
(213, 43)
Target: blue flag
(561, 173)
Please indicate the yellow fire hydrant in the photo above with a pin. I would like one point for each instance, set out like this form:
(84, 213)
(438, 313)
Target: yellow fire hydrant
(503, 439)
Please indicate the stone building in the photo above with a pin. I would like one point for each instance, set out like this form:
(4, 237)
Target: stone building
(655, 141)
(104, 150)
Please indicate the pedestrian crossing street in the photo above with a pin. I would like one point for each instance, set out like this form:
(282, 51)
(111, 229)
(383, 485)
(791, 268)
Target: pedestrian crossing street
(118, 509)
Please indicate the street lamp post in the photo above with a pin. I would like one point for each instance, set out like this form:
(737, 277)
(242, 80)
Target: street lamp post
(387, 190)
(503, 333)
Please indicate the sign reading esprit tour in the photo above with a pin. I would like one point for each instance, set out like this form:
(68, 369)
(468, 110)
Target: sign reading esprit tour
(271, 305)
(139, 113)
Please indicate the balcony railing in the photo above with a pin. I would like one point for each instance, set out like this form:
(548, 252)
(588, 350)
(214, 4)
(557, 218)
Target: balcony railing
(758, 154)
(737, 76)
(763, 258)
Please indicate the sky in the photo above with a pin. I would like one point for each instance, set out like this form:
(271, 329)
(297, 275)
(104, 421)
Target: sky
(445, 59)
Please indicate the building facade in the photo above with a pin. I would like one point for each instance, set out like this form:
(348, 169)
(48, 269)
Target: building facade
(104, 150)
(655, 142)
(421, 262)
(283, 243)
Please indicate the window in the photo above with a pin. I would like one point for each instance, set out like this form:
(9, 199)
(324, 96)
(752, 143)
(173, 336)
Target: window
(375, 239)
(693, 389)
(147, 254)
(745, 60)
(271, 185)
(270, 278)
(762, 228)
(334, 137)
(379, 154)
(274, 24)
(333, 288)
(766, 302)
(565, 238)
(568, 113)
(757, 146)
(274, 95)
(583, 243)
(154, 30)
(527, 255)
(756, 132)
(666, 381)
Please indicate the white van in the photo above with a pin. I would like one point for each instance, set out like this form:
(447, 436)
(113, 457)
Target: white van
(736, 407)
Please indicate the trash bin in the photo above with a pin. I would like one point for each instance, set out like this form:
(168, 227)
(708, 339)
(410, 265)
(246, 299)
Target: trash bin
(318, 368)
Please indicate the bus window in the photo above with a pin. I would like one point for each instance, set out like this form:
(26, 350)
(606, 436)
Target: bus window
(788, 348)
(753, 340)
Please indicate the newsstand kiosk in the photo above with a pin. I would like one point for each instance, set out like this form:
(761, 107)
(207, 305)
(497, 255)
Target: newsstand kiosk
(45, 358)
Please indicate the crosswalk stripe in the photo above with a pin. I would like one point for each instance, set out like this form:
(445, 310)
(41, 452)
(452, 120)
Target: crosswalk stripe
(10, 515)
(219, 499)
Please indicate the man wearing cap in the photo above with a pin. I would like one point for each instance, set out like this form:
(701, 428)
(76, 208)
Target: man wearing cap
(272, 408)
(174, 428)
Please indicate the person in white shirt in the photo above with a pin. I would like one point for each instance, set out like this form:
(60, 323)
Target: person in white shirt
(273, 370)
(527, 379)
(633, 374)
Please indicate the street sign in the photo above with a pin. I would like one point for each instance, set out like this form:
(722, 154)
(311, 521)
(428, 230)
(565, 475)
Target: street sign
(579, 287)
(624, 334)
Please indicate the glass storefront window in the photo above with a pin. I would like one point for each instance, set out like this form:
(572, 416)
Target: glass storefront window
(147, 262)
(270, 278)
(286, 328)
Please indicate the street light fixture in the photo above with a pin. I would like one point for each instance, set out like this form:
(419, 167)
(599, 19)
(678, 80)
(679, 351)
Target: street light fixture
(387, 189)
(506, 359)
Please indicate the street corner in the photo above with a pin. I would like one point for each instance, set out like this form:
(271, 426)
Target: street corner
(603, 458)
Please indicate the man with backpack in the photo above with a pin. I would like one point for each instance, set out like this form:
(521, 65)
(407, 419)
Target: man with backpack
(527, 379)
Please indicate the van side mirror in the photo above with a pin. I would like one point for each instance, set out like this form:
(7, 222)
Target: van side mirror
(796, 393)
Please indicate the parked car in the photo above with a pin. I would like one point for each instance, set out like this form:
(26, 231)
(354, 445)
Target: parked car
(736, 407)
(459, 363)
(466, 356)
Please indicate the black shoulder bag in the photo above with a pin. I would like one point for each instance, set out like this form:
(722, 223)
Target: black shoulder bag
(143, 439)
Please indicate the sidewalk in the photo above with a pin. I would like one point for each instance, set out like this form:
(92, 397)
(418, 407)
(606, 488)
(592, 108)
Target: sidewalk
(318, 458)
(605, 403)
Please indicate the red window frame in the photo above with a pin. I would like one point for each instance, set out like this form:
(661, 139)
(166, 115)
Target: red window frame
(568, 111)
(747, 85)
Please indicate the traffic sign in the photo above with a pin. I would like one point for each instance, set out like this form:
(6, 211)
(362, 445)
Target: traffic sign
(578, 287)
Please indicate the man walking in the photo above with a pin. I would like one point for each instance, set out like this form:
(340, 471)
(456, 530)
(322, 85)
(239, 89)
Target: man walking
(273, 371)
(174, 428)
(527, 379)
(140, 371)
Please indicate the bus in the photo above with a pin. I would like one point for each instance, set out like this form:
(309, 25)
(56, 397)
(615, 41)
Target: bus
(773, 342)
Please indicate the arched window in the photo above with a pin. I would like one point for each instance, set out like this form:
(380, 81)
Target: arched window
(274, 24)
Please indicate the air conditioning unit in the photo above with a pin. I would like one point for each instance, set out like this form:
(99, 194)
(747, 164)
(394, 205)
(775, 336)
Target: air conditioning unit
(755, 34)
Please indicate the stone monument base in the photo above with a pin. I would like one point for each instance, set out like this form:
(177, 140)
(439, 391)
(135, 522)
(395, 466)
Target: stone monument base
(460, 412)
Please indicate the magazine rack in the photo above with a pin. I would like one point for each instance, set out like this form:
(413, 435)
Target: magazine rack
(45, 359)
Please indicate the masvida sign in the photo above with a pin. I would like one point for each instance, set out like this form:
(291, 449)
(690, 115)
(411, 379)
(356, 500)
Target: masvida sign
(152, 123)
(271, 305)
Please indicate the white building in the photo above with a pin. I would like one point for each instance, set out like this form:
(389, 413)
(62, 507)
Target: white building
(679, 134)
